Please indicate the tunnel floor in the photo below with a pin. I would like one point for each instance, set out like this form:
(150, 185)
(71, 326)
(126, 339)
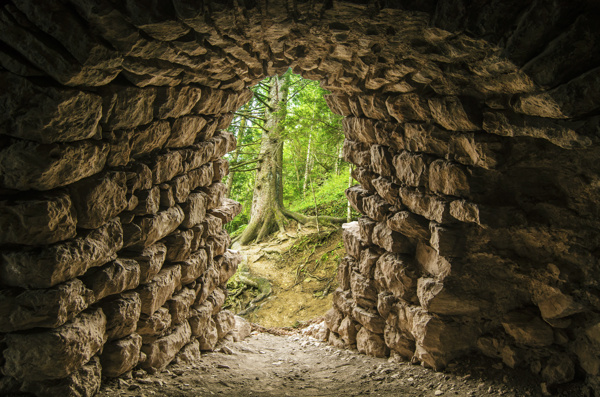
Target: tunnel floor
(299, 365)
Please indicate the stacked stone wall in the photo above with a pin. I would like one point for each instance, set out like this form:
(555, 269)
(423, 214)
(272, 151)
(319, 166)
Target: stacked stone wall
(473, 129)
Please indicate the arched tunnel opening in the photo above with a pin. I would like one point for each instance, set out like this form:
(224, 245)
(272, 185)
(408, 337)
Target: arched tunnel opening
(473, 127)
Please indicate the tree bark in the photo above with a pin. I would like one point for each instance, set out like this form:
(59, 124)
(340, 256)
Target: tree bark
(267, 200)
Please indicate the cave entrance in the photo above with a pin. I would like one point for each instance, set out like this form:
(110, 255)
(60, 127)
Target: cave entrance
(289, 174)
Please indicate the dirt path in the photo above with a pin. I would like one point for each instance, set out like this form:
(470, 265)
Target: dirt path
(301, 268)
(297, 365)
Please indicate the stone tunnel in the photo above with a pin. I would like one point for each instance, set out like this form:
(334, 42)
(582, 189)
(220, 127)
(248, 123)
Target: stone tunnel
(473, 127)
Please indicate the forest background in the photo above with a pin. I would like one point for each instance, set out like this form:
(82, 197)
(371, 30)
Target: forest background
(287, 135)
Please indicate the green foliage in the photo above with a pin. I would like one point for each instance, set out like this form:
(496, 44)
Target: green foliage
(313, 138)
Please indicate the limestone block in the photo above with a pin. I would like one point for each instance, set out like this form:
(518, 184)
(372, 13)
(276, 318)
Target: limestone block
(448, 178)
(370, 343)
(554, 304)
(184, 131)
(152, 327)
(120, 356)
(365, 228)
(122, 314)
(505, 123)
(161, 352)
(408, 107)
(148, 201)
(208, 336)
(410, 225)
(242, 329)
(139, 176)
(55, 353)
(572, 99)
(387, 190)
(99, 198)
(344, 270)
(448, 242)
(160, 289)
(189, 354)
(228, 210)
(218, 243)
(146, 139)
(429, 206)
(559, 369)
(194, 210)
(356, 195)
(179, 245)
(357, 153)
(375, 207)
(220, 169)
(180, 304)
(396, 274)
(338, 104)
(438, 342)
(333, 319)
(126, 107)
(48, 308)
(381, 160)
(528, 329)
(117, 276)
(84, 382)
(391, 240)
(210, 280)
(217, 299)
(212, 225)
(44, 220)
(165, 166)
(230, 261)
(215, 194)
(145, 231)
(200, 315)
(200, 154)
(399, 342)
(360, 130)
(373, 107)
(224, 142)
(429, 261)
(336, 341)
(369, 319)
(342, 300)
(150, 259)
(453, 115)
(44, 267)
(363, 290)
(62, 66)
(437, 299)
(175, 102)
(411, 169)
(385, 304)
(347, 330)
(365, 177)
(352, 241)
(367, 261)
(225, 322)
(194, 266)
(60, 115)
(28, 165)
(119, 142)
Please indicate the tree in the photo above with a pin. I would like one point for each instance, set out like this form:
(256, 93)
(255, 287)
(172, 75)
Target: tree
(295, 125)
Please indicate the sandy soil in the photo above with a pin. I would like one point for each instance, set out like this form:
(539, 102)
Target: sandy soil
(298, 365)
(302, 271)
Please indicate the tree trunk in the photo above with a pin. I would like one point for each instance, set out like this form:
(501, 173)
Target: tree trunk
(267, 202)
